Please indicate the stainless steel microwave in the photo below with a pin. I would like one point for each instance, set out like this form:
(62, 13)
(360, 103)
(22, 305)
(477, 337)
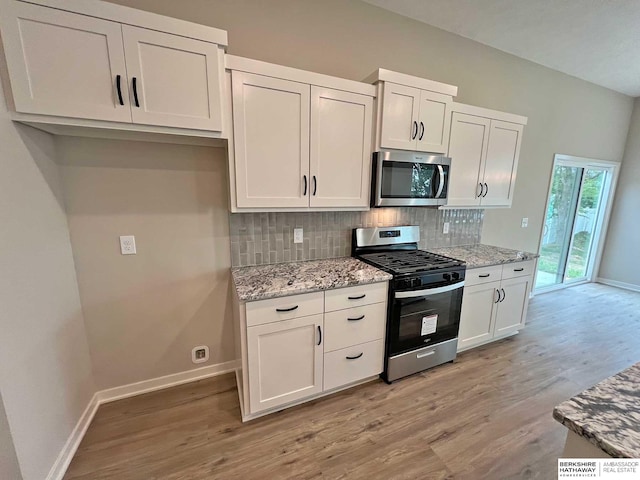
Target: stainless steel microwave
(409, 179)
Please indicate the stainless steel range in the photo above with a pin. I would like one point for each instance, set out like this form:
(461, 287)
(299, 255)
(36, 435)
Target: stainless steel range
(425, 297)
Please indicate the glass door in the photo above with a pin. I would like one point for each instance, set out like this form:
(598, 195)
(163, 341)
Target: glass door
(575, 212)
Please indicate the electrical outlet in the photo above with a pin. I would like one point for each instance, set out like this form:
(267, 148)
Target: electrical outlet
(200, 354)
(525, 222)
(297, 235)
(128, 245)
(445, 228)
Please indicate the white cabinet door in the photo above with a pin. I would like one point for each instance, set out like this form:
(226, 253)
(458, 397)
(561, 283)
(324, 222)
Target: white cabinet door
(502, 163)
(512, 309)
(64, 64)
(271, 140)
(478, 315)
(285, 361)
(467, 149)
(341, 145)
(433, 122)
(174, 81)
(400, 110)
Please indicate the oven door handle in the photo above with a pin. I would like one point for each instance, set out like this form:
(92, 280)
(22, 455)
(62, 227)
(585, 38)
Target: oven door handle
(429, 291)
(440, 182)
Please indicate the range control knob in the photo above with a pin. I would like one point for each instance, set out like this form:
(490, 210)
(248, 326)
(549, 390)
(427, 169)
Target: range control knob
(416, 282)
(455, 275)
(447, 277)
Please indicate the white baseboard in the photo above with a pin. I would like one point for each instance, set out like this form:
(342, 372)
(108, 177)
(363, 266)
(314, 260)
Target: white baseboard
(160, 383)
(615, 283)
(73, 442)
(125, 391)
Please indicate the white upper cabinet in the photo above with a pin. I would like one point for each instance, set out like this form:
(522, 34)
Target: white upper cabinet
(174, 81)
(300, 140)
(413, 113)
(271, 140)
(100, 65)
(484, 146)
(340, 148)
(64, 64)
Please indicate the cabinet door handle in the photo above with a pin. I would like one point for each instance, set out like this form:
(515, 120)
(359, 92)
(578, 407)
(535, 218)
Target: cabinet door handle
(119, 88)
(135, 91)
(481, 190)
(355, 319)
(415, 131)
(356, 357)
(486, 190)
(304, 194)
(319, 335)
(518, 269)
(504, 295)
(287, 309)
(498, 299)
(315, 185)
(358, 298)
(484, 275)
(421, 131)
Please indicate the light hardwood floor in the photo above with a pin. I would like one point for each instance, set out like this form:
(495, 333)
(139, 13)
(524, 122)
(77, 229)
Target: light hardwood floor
(488, 415)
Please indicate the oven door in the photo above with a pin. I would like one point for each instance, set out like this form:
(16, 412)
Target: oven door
(421, 181)
(424, 317)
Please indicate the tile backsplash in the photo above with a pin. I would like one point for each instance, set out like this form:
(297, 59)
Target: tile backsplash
(262, 238)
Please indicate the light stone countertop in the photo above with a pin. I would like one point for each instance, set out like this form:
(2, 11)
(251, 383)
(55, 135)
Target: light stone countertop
(282, 279)
(476, 256)
(607, 414)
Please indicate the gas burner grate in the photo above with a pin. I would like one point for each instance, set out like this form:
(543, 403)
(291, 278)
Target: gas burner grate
(410, 261)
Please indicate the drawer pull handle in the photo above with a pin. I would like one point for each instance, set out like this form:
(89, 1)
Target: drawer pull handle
(287, 309)
(518, 269)
(358, 298)
(484, 275)
(425, 354)
(356, 357)
(355, 319)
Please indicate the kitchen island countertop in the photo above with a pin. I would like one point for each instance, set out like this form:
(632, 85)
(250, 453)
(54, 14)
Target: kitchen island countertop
(282, 279)
(477, 256)
(608, 414)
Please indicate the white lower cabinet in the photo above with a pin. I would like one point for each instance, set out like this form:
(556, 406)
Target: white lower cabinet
(494, 303)
(294, 349)
(285, 361)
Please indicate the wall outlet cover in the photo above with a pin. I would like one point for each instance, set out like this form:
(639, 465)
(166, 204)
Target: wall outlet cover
(297, 235)
(200, 354)
(128, 245)
(525, 222)
(445, 228)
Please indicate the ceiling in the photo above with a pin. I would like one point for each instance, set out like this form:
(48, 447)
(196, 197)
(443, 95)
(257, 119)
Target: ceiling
(595, 40)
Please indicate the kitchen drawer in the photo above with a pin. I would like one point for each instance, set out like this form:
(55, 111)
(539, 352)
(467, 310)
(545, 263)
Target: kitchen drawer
(284, 308)
(352, 326)
(342, 298)
(518, 269)
(476, 276)
(340, 370)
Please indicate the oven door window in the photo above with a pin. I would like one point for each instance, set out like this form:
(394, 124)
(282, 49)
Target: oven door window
(425, 320)
(414, 180)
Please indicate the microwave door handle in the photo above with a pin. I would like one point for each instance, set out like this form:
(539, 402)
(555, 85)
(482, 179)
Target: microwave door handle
(429, 291)
(440, 182)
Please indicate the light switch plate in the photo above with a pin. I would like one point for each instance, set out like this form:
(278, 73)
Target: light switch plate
(445, 228)
(297, 235)
(128, 245)
(525, 222)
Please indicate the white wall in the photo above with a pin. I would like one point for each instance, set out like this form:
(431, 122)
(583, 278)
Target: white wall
(620, 261)
(144, 313)
(9, 468)
(45, 368)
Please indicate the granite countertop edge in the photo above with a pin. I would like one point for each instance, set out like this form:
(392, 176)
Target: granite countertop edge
(591, 437)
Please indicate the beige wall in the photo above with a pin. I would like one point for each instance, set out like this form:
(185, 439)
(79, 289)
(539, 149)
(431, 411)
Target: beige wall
(144, 313)
(351, 39)
(45, 368)
(9, 468)
(620, 261)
